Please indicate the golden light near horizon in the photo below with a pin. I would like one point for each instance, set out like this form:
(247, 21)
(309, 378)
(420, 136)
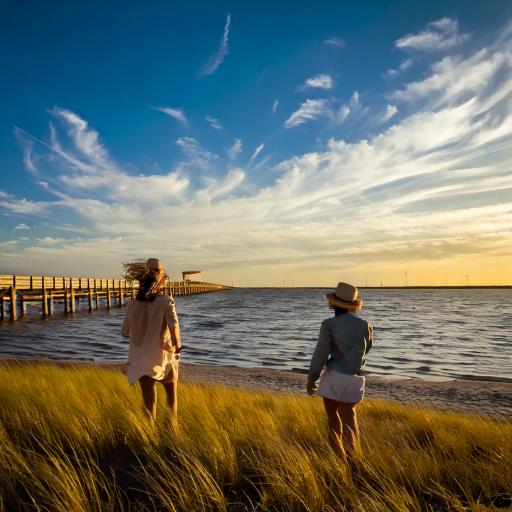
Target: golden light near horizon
(460, 272)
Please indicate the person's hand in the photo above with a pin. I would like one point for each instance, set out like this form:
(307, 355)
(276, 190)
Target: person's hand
(311, 387)
(178, 349)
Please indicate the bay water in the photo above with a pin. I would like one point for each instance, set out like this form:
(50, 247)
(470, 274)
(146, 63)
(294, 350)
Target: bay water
(419, 333)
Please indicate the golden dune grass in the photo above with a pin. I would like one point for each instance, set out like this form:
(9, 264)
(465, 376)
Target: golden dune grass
(75, 439)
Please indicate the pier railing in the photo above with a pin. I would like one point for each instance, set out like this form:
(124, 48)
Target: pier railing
(19, 291)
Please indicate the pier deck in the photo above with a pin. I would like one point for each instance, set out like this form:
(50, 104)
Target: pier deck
(44, 292)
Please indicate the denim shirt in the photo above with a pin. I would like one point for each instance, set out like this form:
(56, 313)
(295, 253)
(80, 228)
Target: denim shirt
(342, 344)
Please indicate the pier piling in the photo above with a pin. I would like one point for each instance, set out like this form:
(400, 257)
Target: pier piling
(109, 297)
(96, 297)
(89, 294)
(12, 312)
(72, 305)
(48, 292)
(45, 300)
(66, 298)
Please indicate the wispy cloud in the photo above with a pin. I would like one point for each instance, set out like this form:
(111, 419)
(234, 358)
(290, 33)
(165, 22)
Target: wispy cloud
(23, 206)
(404, 65)
(28, 162)
(309, 111)
(274, 106)
(235, 150)
(222, 51)
(391, 111)
(21, 227)
(196, 157)
(50, 240)
(441, 34)
(214, 123)
(355, 100)
(85, 139)
(342, 114)
(216, 189)
(257, 151)
(319, 82)
(353, 108)
(336, 42)
(175, 113)
(27, 144)
(453, 75)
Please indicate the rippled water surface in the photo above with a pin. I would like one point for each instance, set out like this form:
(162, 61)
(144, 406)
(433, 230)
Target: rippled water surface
(443, 333)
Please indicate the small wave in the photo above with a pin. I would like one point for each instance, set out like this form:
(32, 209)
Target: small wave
(295, 358)
(194, 351)
(211, 324)
(383, 367)
(423, 369)
(98, 344)
(400, 359)
(482, 378)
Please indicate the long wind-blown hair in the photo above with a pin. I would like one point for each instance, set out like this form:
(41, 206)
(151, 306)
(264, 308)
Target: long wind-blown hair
(151, 281)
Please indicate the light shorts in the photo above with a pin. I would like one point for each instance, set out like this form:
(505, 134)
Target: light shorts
(171, 369)
(338, 386)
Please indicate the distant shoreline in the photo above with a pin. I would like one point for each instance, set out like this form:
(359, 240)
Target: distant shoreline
(461, 287)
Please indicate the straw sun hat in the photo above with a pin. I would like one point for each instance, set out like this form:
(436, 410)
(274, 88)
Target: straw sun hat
(345, 296)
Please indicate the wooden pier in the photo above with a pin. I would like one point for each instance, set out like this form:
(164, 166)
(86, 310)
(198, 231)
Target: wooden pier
(16, 292)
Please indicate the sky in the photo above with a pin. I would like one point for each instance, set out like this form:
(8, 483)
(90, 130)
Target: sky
(266, 143)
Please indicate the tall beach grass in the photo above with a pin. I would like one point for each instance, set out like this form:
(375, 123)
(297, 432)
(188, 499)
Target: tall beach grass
(76, 439)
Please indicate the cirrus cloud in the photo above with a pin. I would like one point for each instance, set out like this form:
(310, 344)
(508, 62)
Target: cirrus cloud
(175, 113)
(222, 51)
(310, 110)
(319, 82)
(441, 34)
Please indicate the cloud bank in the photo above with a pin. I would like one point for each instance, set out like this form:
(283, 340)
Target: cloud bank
(430, 192)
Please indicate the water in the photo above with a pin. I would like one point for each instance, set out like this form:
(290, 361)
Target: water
(428, 334)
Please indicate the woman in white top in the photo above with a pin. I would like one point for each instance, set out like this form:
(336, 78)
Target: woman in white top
(152, 325)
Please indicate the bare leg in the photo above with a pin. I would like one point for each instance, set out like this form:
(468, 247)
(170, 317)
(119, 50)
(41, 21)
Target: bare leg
(148, 388)
(171, 390)
(334, 426)
(347, 413)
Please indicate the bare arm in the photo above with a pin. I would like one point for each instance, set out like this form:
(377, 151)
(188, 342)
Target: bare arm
(174, 326)
(370, 338)
(125, 329)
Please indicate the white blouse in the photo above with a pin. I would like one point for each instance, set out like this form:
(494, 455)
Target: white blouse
(147, 325)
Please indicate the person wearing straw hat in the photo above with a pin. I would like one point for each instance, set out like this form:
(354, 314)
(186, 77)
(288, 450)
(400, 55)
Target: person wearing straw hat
(152, 325)
(342, 344)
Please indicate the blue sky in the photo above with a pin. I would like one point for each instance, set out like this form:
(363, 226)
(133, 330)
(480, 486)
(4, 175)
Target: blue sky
(305, 142)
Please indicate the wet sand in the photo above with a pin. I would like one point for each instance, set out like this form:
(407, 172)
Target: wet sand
(476, 397)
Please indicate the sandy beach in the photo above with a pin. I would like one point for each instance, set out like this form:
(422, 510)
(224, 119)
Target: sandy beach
(493, 399)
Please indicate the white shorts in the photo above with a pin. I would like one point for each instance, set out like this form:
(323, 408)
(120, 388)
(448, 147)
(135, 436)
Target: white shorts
(340, 387)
